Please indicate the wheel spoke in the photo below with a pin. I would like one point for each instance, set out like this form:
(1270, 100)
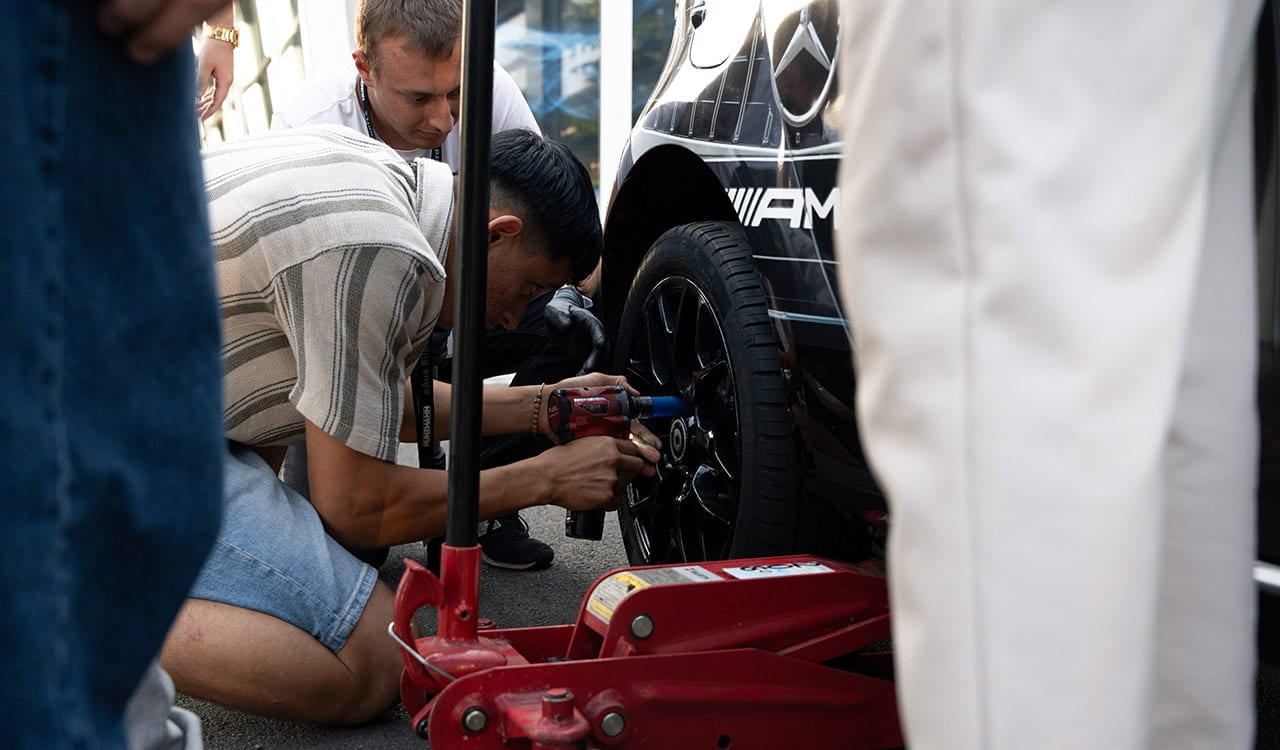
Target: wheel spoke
(651, 502)
(700, 535)
(638, 535)
(712, 493)
(687, 535)
(684, 333)
(640, 376)
(657, 340)
(723, 452)
(640, 494)
(716, 413)
(708, 339)
(638, 367)
(708, 392)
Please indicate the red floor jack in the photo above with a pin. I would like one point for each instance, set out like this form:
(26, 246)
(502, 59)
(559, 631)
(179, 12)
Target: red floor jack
(762, 653)
(739, 654)
(759, 653)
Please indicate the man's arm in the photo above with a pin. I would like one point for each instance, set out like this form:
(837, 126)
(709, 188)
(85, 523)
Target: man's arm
(152, 29)
(367, 502)
(507, 410)
(215, 62)
(500, 415)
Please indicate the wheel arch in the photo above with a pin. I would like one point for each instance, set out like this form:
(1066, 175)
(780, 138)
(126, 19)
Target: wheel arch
(666, 187)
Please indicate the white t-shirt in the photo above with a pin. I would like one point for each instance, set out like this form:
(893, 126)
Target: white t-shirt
(334, 101)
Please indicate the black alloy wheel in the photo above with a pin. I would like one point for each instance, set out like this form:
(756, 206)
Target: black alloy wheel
(696, 325)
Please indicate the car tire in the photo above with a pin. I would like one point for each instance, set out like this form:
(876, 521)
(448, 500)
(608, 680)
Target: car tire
(696, 325)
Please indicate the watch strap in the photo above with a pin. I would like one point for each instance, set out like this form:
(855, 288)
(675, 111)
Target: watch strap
(223, 34)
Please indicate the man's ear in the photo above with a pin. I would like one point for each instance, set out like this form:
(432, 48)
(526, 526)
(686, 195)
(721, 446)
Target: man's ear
(504, 227)
(362, 67)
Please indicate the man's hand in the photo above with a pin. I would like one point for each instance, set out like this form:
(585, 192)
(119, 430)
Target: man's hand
(574, 328)
(216, 63)
(590, 473)
(592, 379)
(155, 27)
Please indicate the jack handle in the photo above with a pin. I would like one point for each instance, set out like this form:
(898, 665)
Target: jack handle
(418, 588)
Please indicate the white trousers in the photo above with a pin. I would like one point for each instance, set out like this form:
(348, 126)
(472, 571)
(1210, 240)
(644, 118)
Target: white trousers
(1046, 248)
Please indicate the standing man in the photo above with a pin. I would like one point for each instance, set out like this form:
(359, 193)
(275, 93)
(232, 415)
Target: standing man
(407, 83)
(405, 93)
(109, 328)
(1047, 253)
(331, 253)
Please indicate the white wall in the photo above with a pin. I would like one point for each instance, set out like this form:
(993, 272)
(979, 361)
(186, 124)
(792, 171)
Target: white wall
(615, 90)
(328, 29)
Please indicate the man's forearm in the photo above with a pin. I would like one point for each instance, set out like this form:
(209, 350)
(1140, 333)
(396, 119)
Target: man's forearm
(416, 505)
(368, 502)
(507, 410)
(224, 17)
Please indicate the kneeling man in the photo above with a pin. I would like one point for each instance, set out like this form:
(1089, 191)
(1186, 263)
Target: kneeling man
(331, 256)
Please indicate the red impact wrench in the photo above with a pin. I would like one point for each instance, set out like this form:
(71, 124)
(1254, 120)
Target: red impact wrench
(602, 410)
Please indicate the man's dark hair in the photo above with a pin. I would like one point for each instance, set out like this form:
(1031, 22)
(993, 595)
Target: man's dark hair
(544, 183)
(433, 27)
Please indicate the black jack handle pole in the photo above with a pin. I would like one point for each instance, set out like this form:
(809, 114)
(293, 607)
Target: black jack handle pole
(469, 267)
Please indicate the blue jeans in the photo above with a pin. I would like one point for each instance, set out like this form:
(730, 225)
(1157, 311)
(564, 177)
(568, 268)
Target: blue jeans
(110, 397)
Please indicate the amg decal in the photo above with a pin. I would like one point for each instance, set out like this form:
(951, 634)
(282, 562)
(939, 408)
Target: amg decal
(796, 206)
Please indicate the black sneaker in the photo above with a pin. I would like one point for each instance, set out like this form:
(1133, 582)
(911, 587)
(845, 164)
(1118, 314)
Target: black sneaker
(506, 543)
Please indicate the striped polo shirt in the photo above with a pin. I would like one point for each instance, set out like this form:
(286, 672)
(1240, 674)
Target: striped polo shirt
(330, 266)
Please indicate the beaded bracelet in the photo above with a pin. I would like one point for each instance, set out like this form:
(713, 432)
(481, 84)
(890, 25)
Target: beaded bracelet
(537, 408)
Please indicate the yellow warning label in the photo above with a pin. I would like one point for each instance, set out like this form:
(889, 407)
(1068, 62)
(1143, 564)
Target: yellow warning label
(606, 597)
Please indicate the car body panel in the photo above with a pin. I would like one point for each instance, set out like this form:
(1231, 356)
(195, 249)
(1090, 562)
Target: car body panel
(748, 131)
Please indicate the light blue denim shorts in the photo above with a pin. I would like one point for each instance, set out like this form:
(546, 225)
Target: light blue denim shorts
(274, 556)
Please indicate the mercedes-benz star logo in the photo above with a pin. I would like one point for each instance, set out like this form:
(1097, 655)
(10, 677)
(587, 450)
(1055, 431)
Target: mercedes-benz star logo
(802, 49)
(678, 439)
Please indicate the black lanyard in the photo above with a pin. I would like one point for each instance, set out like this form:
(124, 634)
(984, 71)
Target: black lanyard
(430, 454)
(363, 94)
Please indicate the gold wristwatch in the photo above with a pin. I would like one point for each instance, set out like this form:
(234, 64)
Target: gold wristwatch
(222, 34)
